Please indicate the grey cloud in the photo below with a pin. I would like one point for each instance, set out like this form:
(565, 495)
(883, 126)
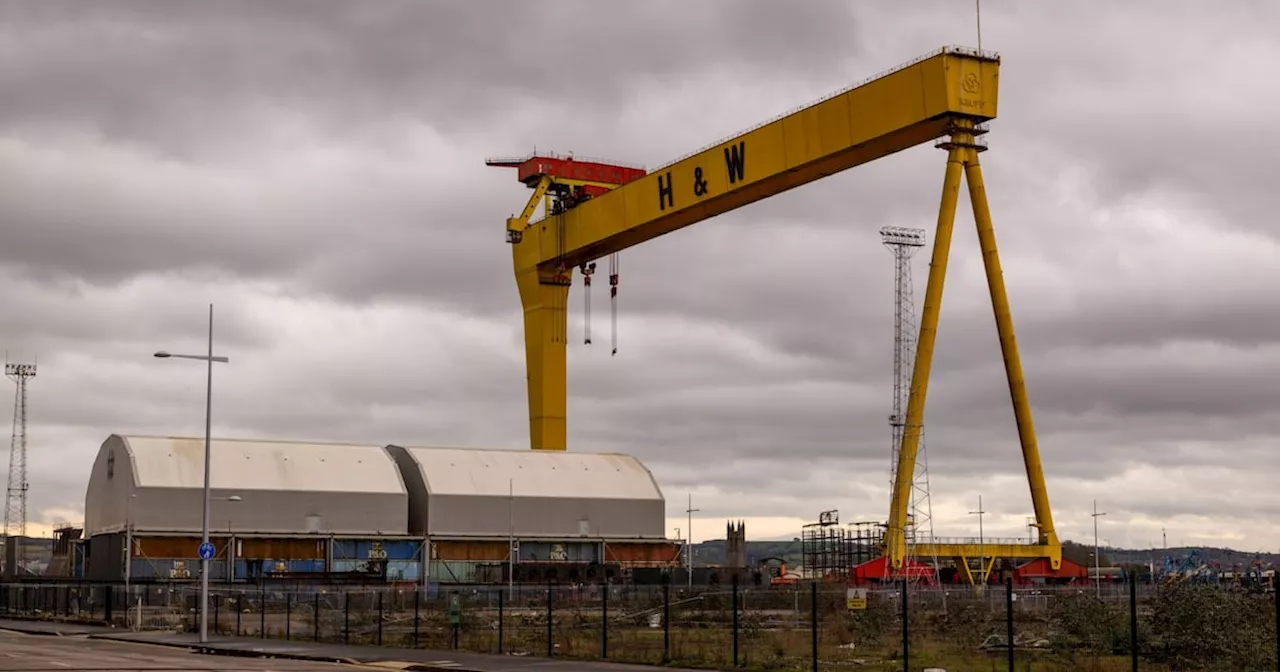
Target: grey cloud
(317, 174)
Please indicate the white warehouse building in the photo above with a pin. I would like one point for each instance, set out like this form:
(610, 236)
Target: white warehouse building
(414, 514)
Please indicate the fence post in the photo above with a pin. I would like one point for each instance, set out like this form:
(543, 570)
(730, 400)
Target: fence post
(315, 619)
(906, 640)
(417, 610)
(813, 610)
(455, 616)
(551, 649)
(666, 620)
(1133, 618)
(107, 600)
(1276, 598)
(604, 620)
(380, 594)
(1008, 618)
(735, 619)
(217, 604)
(239, 612)
(262, 612)
(288, 616)
(346, 617)
(500, 619)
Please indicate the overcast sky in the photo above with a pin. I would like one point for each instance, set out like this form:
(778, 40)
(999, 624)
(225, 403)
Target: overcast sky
(316, 170)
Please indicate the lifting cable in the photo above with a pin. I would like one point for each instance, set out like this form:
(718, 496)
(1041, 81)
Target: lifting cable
(587, 270)
(561, 272)
(613, 297)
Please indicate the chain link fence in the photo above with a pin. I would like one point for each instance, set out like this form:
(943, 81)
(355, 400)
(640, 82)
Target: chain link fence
(803, 627)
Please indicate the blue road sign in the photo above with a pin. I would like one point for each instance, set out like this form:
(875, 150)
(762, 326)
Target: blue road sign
(206, 551)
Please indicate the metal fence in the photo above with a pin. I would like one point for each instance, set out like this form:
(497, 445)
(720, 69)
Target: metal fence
(804, 627)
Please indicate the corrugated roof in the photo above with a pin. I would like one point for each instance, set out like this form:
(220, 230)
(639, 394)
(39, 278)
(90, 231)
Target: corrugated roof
(535, 473)
(178, 462)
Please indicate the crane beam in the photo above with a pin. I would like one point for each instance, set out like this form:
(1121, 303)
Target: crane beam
(892, 112)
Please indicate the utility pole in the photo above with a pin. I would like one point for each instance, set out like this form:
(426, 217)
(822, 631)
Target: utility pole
(982, 550)
(688, 545)
(1097, 559)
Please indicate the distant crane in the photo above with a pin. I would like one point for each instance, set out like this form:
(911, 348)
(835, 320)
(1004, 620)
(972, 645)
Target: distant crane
(15, 504)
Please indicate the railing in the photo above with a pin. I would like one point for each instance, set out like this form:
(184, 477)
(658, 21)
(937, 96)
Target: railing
(974, 541)
(808, 626)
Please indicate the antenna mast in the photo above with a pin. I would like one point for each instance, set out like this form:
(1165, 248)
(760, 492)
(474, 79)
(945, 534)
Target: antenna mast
(15, 503)
(903, 243)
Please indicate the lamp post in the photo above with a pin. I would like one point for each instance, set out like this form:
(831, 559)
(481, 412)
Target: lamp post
(982, 549)
(209, 359)
(1097, 560)
(689, 544)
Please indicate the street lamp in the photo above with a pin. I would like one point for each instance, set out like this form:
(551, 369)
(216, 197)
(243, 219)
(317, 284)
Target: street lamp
(982, 550)
(1097, 559)
(209, 359)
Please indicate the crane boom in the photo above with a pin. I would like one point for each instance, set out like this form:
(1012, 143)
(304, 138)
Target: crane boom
(895, 111)
(948, 92)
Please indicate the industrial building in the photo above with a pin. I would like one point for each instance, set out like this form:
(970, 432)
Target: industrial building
(325, 511)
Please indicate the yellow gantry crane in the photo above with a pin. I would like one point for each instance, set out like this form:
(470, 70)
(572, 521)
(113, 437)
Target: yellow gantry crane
(602, 209)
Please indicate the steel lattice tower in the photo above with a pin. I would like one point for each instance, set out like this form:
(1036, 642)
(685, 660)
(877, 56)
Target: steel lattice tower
(903, 243)
(15, 503)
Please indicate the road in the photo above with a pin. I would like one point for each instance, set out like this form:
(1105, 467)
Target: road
(31, 653)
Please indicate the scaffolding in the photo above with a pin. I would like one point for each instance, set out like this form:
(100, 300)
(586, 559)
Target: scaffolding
(825, 549)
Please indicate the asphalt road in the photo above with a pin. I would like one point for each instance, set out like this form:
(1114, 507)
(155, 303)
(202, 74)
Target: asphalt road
(23, 653)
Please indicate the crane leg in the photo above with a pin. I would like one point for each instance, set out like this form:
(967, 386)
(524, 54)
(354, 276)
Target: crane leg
(1012, 362)
(895, 535)
(545, 299)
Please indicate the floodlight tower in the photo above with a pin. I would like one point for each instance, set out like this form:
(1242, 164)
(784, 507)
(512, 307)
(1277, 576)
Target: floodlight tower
(15, 503)
(903, 243)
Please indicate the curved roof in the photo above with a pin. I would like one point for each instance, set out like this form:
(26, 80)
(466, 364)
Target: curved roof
(156, 483)
(241, 464)
(554, 494)
(535, 473)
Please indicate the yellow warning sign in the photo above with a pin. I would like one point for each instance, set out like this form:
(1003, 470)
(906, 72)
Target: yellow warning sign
(855, 599)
